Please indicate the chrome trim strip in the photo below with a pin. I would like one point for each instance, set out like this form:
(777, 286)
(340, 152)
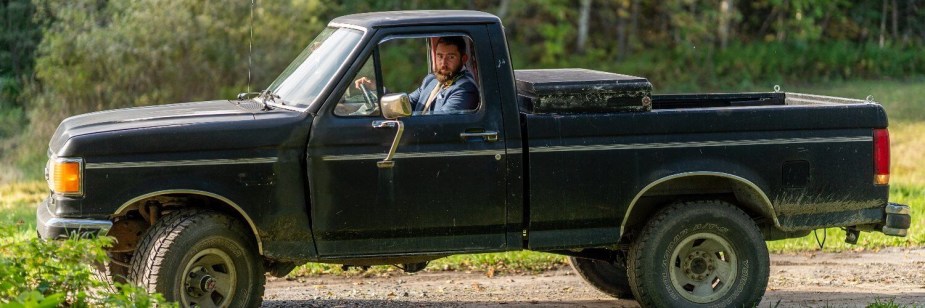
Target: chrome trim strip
(413, 155)
(764, 197)
(349, 26)
(515, 151)
(820, 99)
(179, 163)
(717, 143)
(83, 224)
(237, 208)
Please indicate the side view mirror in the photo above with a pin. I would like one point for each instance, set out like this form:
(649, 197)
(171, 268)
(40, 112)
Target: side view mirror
(395, 106)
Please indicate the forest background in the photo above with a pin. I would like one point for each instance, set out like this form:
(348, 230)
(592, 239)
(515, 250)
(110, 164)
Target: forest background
(62, 58)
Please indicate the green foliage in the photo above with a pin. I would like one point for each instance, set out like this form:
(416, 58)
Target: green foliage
(884, 303)
(104, 55)
(12, 120)
(37, 273)
(18, 41)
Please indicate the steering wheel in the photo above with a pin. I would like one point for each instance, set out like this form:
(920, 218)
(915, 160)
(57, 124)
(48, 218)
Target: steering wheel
(369, 97)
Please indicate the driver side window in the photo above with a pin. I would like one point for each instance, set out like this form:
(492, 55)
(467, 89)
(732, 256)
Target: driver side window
(360, 98)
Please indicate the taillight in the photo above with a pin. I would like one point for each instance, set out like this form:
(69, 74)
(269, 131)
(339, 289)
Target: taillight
(881, 156)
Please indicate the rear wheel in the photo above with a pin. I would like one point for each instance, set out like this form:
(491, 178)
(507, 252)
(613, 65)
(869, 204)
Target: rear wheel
(200, 258)
(705, 253)
(604, 276)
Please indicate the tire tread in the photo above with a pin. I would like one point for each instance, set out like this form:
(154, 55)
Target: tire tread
(154, 247)
(635, 257)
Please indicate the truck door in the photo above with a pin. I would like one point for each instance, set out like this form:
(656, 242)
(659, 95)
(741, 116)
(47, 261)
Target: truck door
(446, 190)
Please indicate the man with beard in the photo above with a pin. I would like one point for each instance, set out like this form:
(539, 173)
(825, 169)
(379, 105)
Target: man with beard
(450, 88)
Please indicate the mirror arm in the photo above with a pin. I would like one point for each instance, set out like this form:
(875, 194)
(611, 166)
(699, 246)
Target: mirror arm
(388, 162)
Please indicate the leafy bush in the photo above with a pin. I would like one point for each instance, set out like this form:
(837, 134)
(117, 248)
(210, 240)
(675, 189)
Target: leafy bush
(37, 273)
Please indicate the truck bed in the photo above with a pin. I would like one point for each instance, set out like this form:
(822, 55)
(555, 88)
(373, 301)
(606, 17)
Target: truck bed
(810, 155)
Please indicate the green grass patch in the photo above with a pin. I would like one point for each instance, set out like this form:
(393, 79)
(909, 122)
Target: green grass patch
(18, 202)
(511, 262)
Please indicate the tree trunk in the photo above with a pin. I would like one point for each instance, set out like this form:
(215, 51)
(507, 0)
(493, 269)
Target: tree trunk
(895, 19)
(503, 8)
(725, 7)
(883, 25)
(633, 33)
(621, 32)
(583, 25)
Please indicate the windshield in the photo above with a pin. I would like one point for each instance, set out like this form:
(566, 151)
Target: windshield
(301, 83)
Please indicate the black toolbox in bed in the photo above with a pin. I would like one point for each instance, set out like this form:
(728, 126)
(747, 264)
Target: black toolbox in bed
(574, 90)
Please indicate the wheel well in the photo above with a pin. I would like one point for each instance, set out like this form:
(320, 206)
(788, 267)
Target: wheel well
(134, 217)
(735, 190)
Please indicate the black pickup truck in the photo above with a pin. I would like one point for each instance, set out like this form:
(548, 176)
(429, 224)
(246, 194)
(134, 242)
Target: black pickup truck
(667, 199)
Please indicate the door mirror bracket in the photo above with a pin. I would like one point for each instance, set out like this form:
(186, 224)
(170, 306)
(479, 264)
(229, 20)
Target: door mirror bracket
(394, 106)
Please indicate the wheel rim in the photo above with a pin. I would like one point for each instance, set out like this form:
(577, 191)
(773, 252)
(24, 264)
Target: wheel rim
(703, 267)
(209, 280)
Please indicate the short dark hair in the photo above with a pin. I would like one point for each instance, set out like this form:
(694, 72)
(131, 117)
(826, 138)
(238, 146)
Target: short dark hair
(458, 41)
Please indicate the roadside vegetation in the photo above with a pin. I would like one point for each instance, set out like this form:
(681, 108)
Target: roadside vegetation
(36, 273)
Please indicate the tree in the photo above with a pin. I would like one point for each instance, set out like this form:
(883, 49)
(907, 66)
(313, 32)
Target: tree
(18, 41)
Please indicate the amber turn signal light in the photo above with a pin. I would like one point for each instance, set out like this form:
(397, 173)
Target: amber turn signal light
(66, 177)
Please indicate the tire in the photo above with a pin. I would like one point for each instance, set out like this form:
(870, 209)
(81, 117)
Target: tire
(110, 272)
(726, 263)
(606, 277)
(200, 257)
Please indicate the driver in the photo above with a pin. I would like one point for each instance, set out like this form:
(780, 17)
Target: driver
(450, 88)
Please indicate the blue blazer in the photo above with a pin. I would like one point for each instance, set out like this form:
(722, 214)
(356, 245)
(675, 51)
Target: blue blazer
(460, 97)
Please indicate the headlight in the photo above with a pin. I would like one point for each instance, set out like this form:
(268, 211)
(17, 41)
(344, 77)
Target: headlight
(65, 176)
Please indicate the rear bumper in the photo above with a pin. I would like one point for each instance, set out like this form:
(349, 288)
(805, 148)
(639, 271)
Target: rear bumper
(897, 219)
(51, 227)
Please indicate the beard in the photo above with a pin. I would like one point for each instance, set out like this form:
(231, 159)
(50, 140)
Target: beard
(445, 73)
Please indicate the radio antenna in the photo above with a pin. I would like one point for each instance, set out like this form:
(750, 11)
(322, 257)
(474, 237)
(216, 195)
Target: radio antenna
(250, 47)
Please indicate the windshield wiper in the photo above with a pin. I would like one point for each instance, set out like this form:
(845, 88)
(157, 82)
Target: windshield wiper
(268, 96)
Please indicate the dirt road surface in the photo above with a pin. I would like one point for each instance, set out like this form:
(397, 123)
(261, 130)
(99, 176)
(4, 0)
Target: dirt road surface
(848, 279)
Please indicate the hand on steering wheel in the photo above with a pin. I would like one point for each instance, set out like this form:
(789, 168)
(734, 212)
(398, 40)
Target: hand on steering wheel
(368, 95)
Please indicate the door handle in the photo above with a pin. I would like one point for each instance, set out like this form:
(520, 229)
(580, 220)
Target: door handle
(490, 136)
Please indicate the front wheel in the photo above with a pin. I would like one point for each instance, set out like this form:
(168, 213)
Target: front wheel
(706, 253)
(200, 258)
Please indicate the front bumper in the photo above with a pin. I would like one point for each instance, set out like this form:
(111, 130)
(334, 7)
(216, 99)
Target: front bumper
(898, 219)
(51, 227)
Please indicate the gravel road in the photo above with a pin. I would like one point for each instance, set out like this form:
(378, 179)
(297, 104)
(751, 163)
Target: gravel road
(848, 279)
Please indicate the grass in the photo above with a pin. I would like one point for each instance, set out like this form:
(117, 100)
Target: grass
(904, 102)
(512, 262)
(18, 202)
